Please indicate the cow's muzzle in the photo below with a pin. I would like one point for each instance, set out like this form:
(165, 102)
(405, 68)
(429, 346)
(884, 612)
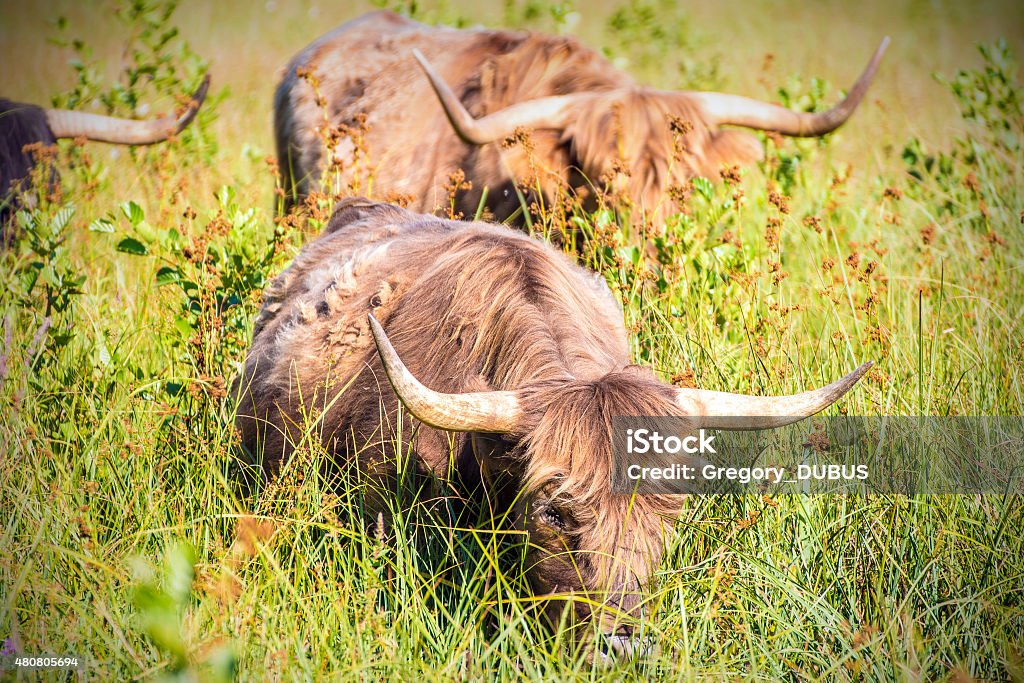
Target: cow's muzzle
(623, 644)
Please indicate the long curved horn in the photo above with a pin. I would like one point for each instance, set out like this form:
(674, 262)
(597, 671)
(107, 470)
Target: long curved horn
(739, 411)
(73, 124)
(736, 110)
(543, 112)
(488, 411)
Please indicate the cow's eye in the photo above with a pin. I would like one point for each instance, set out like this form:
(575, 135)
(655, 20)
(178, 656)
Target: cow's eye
(553, 516)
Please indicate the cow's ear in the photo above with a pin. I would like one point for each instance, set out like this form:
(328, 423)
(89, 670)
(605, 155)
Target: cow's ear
(494, 452)
(354, 209)
(496, 456)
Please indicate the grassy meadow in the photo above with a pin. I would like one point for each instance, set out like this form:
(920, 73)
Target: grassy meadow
(127, 303)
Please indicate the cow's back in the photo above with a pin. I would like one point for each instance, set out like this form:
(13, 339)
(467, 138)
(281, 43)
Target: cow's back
(365, 68)
(441, 288)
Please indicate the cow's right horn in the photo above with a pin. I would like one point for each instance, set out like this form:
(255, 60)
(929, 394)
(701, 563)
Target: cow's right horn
(724, 109)
(543, 112)
(723, 410)
(73, 124)
(487, 411)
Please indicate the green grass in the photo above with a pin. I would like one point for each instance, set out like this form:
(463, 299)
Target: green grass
(127, 538)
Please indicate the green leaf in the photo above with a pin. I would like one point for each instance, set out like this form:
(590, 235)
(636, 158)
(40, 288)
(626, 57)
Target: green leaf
(62, 218)
(133, 212)
(180, 568)
(146, 232)
(703, 186)
(223, 664)
(61, 339)
(103, 355)
(101, 225)
(130, 245)
(184, 325)
(167, 276)
(630, 254)
(27, 220)
(158, 618)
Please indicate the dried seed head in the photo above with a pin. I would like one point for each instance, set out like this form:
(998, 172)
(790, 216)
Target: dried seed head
(928, 233)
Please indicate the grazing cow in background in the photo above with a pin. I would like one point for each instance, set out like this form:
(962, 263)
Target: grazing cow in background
(510, 362)
(24, 125)
(589, 123)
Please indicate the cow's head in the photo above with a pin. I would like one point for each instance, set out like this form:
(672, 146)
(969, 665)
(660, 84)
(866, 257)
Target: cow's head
(555, 439)
(639, 143)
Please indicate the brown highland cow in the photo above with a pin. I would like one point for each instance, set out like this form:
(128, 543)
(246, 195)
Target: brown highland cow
(510, 362)
(580, 122)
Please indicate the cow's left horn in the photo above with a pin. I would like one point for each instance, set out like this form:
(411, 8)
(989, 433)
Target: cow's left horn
(73, 124)
(543, 112)
(487, 411)
(738, 411)
(723, 109)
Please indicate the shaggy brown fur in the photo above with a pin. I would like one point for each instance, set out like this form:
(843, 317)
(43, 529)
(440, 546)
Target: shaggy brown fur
(468, 307)
(365, 67)
(21, 126)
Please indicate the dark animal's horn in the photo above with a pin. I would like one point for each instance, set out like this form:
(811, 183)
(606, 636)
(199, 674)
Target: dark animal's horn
(725, 109)
(73, 124)
(739, 411)
(543, 112)
(488, 411)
